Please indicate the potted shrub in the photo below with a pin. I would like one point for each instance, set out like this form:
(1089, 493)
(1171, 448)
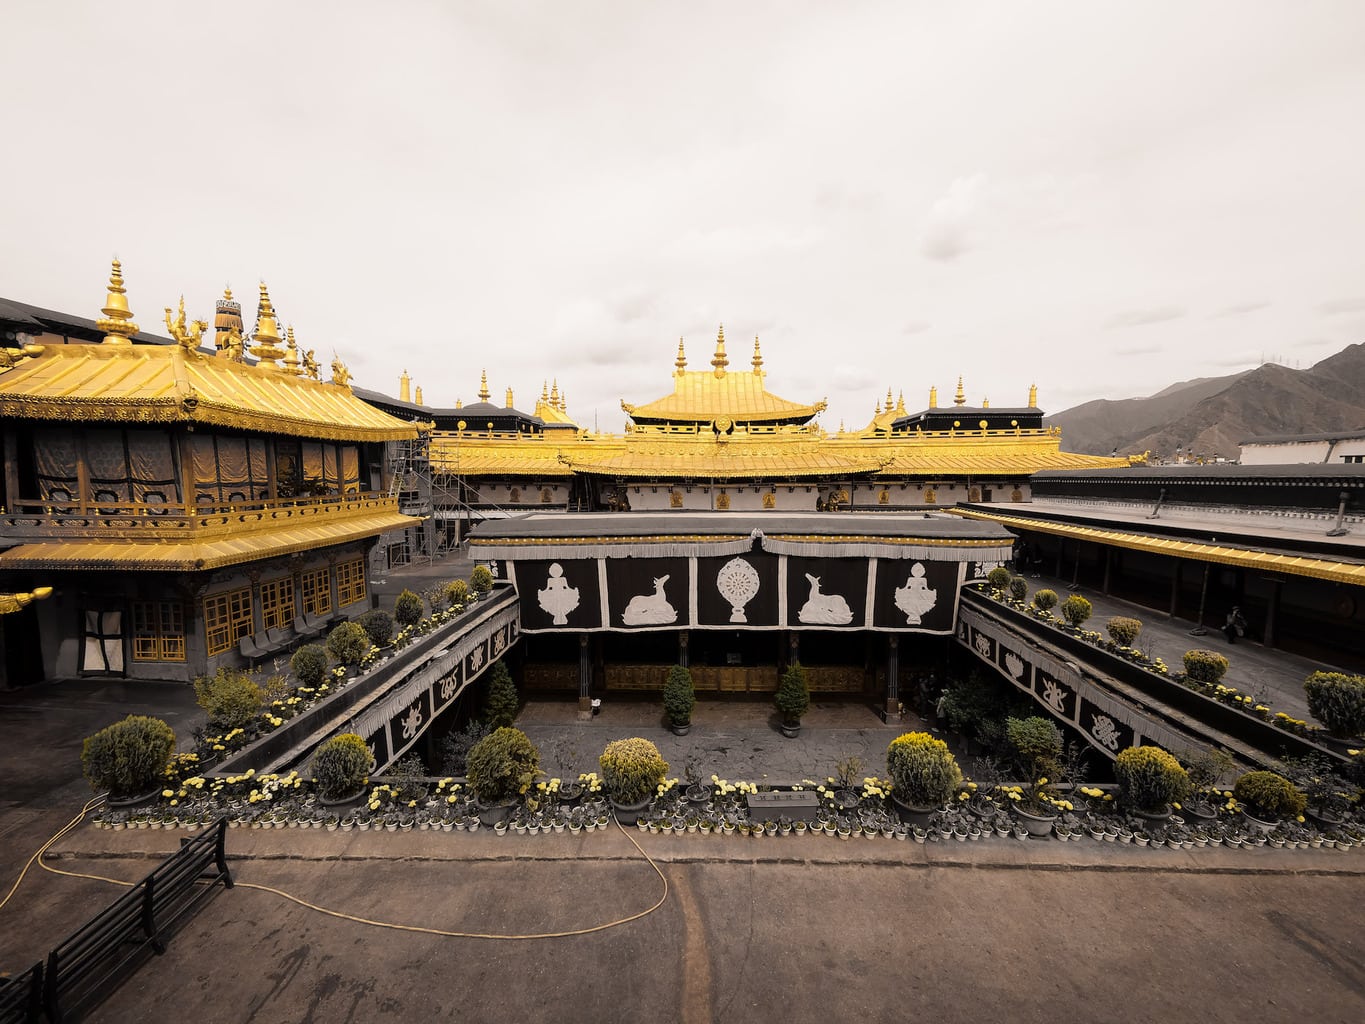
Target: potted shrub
(679, 700)
(481, 580)
(229, 697)
(341, 768)
(1076, 609)
(631, 772)
(348, 643)
(457, 594)
(500, 768)
(1124, 630)
(378, 625)
(1045, 600)
(1338, 702)
(924, 775)
(1018, 588)
(128, 759)
(309, 665)
(1268, 797)
(407, 609)
(1150, 780)
(1205, 666)
(1204, 768)
(998, 578)
(792, 699)
(1330, 797)
(501, 706)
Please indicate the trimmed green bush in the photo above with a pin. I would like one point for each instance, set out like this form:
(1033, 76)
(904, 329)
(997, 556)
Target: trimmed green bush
(923, 771)
(679, 696)
(998, 578)
(341, 766)
(229, 697)
(129, 757)
(502, 765)
(481, 579)
(793, 694)
(1124, 630)
(379, 625)
(1269, 796)
(407, 609)
(631, 769)
(457, 592)
(1045, 600)
(309, 664)
(1018, 588)
(1150, 778)
(1337, 701)
(349, 643)
(1076, 609)
(1205, 666)
(1037, 743)
(501, 706)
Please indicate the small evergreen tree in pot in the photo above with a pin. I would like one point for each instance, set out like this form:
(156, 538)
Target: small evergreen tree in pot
(341, 767)
(793, 698)
(229, 697)
(128, 758)
(1269, 796)
(1124, 630)
(1018, 588)
(457, 593)
(481, 579)
(1045, 600)
(1338, 702)
(923, 771)
(1076, 609)
(349, 643)
(407, 609)
(998, 578)
(631, 770)
(1150, 779)
(679, 699)
(502, 765)
(309, 664)
(502, 704)
(1205, 666)
(379, 625)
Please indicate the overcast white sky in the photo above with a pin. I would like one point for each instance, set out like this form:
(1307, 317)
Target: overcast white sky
(1099, 197)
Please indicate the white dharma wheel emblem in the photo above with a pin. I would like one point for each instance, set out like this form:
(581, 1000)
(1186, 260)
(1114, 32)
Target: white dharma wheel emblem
(737, 582)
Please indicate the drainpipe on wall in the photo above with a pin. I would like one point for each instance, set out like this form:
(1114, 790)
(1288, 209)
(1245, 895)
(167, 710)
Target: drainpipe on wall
(1339, 530)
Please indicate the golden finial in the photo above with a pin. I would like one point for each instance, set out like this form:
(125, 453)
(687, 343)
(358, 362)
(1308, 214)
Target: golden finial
(841, 426)
(404, 386)
(985, 403)
(933, 398)
(681, 361)
(265, 340)
(483, 387)
(227, 325)
(719, 361)
(564, 400)
(292, 363)
(545, 392)
(117, 324)
(877, 409)
(459, 404)
(961, 397)
(758, 356)
(1033, 396)
(900, 403)
(418, 398)
(510, 403)
(554, 395)
(889, 405)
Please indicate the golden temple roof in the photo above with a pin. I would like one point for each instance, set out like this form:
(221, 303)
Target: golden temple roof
(719, 393)
(170, 384)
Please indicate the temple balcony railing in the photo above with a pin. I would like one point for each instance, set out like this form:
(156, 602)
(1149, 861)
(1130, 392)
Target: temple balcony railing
(32, 520)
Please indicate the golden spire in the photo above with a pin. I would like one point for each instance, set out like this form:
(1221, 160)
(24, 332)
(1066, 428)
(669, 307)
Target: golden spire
(419, 394)
(292, 363)
(758, 356)
(459, 403)
(404, 387)
(961, 397)
(227, 323)
(719, 361)
(265, 340)
(933, 398)
(483, 387)
(554, 395)
(564, 400)
(900, 404)
(877, 409)
(117, 324)
(510, 403)
(985, 403)
(889, 405)
(681, 361)
(1033, 396)
(545, 392)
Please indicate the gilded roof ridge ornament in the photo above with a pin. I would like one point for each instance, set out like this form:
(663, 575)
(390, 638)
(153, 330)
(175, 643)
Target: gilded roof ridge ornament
(758, 358)
(510, 402)
(681, 361)
(483, 387)
(417, 398)
(719, 360)
(310, 365)
(227, 325)
(1033, 396)
(340, 375)
(117, 325)
(933, 397)
(293, 364)
(265, 339)
(900, 404)
(404, 386)
(554, 394)
(961, 397)
(186, 336)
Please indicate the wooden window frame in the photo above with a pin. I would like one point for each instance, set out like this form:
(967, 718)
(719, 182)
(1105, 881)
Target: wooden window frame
(227, 618)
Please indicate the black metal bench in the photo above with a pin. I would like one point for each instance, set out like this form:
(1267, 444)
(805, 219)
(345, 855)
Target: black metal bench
(83, 969)
(21, 997)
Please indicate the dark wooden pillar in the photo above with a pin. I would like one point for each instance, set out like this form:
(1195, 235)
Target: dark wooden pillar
(1175, 588)
(584, 675)
(893, 674)
(1108, 559)
(1272, 608)
(682, 649)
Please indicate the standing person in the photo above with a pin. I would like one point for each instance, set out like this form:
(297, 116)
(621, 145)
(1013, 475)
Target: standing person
(1235, 625)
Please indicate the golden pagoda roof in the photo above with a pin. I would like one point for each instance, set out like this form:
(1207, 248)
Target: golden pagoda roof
(173, 384)
(734, 458)
(719, 394)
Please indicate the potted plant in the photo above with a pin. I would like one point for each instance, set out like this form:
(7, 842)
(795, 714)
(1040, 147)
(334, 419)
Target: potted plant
(1204, 768)
(793, 698)
(1205, 666)
(481, 579)
(1266, 798)
(501, 706)
(500, 768)
(1150, 780)
(341, 769)
(1338, 702)
(378, 625)
(309, 665)
(924, 775)
(1124, 630)
(1045, 600)
(1076, 609)
(631, 772)
(1330, 797)
(407, 608)
(127, 759)
(348, 643)
(679, 700)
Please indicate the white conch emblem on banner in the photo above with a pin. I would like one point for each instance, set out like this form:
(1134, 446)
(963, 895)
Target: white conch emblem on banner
(915, 598)
(824, 609)
(650, 609)
(737, 582)
(558, 598)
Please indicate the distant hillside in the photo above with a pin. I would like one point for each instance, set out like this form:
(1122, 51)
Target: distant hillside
(1213, 415)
